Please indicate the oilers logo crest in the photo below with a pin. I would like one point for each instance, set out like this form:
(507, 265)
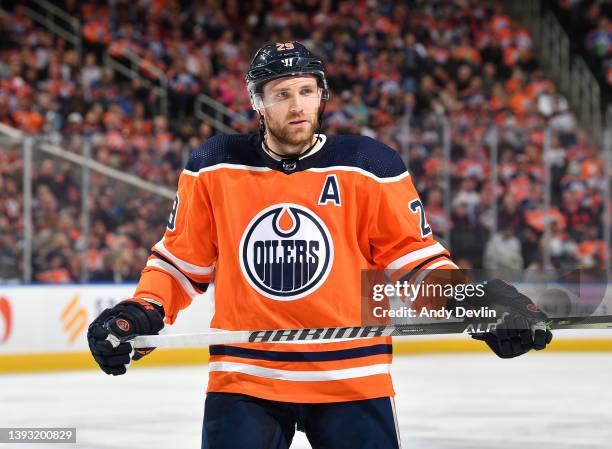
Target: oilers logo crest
(286, 252)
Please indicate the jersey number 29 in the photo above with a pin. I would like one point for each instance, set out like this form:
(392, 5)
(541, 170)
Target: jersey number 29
(172, 219)
(417, 208)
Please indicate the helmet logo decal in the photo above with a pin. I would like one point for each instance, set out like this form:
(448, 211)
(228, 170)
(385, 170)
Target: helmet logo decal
(286, 252)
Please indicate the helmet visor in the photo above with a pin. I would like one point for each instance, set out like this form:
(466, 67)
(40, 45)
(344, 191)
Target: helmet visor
(295, 93)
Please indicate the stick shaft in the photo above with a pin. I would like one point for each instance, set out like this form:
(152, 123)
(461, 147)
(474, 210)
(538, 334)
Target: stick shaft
(336, 333)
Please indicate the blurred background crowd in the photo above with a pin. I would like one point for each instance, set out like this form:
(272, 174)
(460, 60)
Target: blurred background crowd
(589, 22)
(409, 73)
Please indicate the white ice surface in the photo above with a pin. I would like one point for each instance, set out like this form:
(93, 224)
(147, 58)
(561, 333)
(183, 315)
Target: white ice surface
(543, 401)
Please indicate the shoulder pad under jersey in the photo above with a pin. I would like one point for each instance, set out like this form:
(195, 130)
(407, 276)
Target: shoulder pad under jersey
(223, 149)
(365, 153)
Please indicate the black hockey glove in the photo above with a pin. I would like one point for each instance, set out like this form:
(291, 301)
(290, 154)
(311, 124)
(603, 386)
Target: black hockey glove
(521, 325)
(108, 333)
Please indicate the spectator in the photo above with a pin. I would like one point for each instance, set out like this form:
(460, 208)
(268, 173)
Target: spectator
(503, 251)
(184, 87)
(435, 78)
(90, 73)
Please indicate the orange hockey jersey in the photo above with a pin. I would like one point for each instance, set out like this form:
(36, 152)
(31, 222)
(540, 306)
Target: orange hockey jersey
(286, 241)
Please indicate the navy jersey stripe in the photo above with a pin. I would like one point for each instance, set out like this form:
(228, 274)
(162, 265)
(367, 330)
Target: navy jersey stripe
(339, 150)
(286, 356)
(202, 286)
(416, 269)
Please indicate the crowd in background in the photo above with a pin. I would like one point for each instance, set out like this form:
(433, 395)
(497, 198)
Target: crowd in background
(589, 22)
(408, 73)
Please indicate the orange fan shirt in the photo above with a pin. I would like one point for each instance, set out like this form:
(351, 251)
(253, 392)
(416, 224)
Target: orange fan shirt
(286, 241)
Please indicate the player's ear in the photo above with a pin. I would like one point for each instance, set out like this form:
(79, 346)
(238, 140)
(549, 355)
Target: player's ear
(262, 121)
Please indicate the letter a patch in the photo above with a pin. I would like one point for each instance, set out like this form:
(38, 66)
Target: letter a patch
(330, 192)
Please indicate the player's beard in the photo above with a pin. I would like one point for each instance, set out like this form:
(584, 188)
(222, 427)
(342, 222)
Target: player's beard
(285, 135)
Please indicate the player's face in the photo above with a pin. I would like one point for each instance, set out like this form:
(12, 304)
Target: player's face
(290, 108)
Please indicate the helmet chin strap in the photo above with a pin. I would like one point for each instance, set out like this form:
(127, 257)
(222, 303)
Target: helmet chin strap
(262, 134)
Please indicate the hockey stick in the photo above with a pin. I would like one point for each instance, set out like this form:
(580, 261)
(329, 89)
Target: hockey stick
(220, 337)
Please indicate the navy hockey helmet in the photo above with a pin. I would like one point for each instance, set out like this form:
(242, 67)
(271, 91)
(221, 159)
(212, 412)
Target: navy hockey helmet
(277, 60)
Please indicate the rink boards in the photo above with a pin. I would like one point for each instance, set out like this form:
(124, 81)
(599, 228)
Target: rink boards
(44, 328)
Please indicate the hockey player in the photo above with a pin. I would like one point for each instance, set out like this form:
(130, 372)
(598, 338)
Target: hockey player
(286, 220)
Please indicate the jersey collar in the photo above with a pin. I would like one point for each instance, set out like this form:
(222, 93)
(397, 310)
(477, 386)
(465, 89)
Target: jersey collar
(321, 139)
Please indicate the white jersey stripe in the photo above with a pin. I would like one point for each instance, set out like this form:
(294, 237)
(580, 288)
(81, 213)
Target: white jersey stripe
(270, 373)
(176, 274)
(315, 170)
(360, 171)
(183, 266)
(323, 342)
(415, 256)
(441, 263)
(225, 165)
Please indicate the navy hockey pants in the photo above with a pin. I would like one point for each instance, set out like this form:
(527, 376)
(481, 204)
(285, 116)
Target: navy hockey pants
(236, 421)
